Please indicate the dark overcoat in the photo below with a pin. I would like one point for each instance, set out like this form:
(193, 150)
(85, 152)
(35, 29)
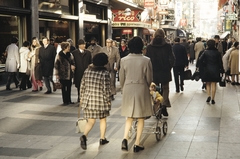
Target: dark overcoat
(162, 58)
(82, 60)
(211, 60)
(47, 58)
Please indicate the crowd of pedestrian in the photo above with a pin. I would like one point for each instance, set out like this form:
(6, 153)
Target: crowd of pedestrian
(94, 69)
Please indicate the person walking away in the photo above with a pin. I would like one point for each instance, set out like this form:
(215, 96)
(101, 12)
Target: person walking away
(24, 68)
(95, 97)
(192, 52)
(135, 80)
(94, 48)
(47, 55)
(225, 60)
(234, 64)
(12, 63)
(199, 46)
(162, 58)
(181, 62)
(113, 63)
(35, 66)
(211, 60)
(64, 68)
(82, 58)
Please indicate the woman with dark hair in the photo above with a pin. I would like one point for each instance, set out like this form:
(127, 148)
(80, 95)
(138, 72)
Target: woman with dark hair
(95, 93)
(135, 80)
(123, 49)
(211, 60)
(64, 68)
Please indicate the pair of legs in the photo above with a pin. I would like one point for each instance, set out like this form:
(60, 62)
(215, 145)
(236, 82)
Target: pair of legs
(12, 76)
(90, 124)
(178, 71)
(140, 126)
(25, 82)
(47, 80)
(235, 79)
(211, 91)
(66, 91)
(36, 83)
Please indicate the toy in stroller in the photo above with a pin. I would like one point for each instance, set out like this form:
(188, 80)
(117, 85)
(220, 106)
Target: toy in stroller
(160, 125)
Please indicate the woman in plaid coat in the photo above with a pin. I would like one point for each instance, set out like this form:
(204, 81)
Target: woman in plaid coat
(95, 93)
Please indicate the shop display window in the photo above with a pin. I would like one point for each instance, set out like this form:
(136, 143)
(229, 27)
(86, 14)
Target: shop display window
(9, 28)
(12, 3)
(55, 6)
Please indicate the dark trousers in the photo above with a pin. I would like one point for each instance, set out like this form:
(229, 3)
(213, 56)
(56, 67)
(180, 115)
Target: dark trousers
(47, 81)
(11, 76)
(66, 90)
(178, 71)
(164, 91)
(25, 81)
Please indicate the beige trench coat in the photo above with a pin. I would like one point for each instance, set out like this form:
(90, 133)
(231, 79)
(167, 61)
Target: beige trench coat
(234, 62)
(135, 78)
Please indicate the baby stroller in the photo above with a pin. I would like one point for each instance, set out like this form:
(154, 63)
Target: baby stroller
(160, 125)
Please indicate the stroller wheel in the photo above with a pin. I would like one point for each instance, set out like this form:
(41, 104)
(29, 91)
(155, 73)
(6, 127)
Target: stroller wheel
(165, 128)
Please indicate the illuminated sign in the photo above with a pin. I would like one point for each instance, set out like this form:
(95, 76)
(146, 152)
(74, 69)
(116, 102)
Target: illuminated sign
(120, 16)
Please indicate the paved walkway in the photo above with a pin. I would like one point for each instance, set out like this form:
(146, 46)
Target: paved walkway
(35, 125)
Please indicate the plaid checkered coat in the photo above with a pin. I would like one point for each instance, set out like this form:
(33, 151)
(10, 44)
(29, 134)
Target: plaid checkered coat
(95, 90)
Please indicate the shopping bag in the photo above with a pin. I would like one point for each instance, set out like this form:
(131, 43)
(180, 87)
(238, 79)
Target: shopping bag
(80, 125)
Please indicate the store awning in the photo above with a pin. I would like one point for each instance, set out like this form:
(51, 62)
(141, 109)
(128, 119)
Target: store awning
(147, 31)
(224, 34)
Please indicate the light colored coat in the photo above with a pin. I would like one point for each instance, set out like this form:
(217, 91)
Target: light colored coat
(23, 51)
(94, 49)
(199, 46)
(234, 62)
(12, 60)
(225, 59)
(135, 78)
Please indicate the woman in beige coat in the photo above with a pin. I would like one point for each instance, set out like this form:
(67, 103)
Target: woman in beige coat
(234, 64)
(135, 78)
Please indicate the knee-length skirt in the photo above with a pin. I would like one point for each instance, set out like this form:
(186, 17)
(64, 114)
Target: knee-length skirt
(95, 114)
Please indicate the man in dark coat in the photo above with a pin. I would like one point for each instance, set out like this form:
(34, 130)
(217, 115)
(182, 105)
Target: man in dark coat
(180, 63)
(82, 58)
(47, 55)
(162, 58)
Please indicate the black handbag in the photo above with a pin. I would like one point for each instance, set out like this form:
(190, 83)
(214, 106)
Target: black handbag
(222, 82)
(196, 76)
(187, 74)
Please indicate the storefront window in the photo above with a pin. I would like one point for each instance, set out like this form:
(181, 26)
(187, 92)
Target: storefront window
(55, 6)
(9, 28)
(12, 3)
(57, 29)
(95, 10)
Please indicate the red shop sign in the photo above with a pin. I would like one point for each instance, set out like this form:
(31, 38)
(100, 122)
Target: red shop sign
(119, 16)
(127, 31)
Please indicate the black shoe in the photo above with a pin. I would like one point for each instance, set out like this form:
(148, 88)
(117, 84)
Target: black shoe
(71, 103)
(34, 90)
(164, 111)
(137, 148)
(8, 89)
(103, 141)
(177, 91)
(20, 88)
(233, 83)
(213, 102)
(65, 103)
(48, 92)
(125, 145)
(40, 89)
(83, 142)
(78, 100)
(54, 89)
(208, 99)
(181, 87)
(17, 85)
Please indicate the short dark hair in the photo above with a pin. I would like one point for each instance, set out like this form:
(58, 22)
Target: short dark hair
(100, 59)
(26, 43)
(177, 40)
(14, 39)
(216, 37)
(64, 45)
(135, 45)
(211, 43)
(81, 41)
